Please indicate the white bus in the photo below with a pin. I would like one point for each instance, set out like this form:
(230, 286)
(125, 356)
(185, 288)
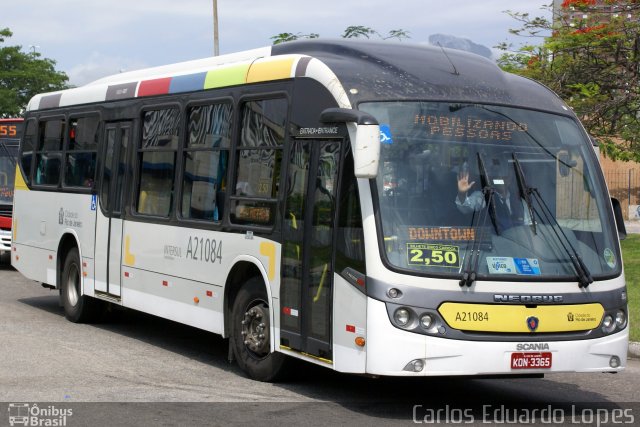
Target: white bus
(338, 202)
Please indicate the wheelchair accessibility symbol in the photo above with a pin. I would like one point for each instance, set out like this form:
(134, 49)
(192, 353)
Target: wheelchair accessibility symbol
(385, 135)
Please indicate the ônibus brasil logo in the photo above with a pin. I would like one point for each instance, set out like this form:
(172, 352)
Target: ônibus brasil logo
(26, 414)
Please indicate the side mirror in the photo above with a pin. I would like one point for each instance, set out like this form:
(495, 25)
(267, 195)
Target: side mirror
(617, 214)
(366, 147)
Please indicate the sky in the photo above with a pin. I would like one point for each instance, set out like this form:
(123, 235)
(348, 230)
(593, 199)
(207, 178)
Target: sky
(90, 39)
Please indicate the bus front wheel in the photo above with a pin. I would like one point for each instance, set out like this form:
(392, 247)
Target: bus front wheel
(251, 333)
(78, 308)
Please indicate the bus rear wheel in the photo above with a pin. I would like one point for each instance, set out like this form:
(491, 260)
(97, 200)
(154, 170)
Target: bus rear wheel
(78, 308)
(251, 333)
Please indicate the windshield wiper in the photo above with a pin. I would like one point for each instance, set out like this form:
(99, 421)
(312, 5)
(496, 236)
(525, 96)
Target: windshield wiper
(488, 191)
(582, 272)
(525, 191)
(470, 272)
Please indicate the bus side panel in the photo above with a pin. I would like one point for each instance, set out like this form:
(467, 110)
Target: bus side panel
(349, 322)
(33, 235)
(43, 272)
(173, 298)
(42, 218)
(179, 273)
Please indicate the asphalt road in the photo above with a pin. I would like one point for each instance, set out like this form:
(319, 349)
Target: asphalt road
(141, 370)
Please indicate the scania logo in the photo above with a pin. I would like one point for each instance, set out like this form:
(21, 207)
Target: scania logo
(528, 299)
(532, 323)
(532, 346)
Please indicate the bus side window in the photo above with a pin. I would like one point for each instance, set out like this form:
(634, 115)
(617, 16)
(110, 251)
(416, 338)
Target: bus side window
(205, 158)
(28, 145)
(259, 156)
(80, 156)
(49, 152)
(350, 241)
(157, 159)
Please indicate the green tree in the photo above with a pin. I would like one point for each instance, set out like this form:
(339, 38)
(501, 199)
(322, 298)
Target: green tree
(288, 37)
(353, 31)
(590, 56)
(23, 75)
(357, 31)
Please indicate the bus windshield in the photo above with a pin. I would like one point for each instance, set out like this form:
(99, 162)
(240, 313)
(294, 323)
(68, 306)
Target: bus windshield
(10, 132)
(8, 154)
(515, 186)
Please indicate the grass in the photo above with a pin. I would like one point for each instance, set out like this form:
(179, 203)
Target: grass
(631, 258)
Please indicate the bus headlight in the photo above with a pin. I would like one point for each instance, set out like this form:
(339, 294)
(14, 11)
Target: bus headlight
(402, 316)
(416, 365)
(608, 324)
(426, 321)
(394, 293)
(621, 319)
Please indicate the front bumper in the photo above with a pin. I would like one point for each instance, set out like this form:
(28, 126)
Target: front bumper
(390, 350)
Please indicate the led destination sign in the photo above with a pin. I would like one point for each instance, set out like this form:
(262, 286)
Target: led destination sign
(8, 130)
(442, 233)
(469, 128)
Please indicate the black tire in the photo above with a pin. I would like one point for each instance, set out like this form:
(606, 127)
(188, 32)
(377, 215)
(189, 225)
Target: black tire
(251, 334)
(78, 308)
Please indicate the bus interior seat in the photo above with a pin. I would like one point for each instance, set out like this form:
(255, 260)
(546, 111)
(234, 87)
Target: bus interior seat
(152, 202)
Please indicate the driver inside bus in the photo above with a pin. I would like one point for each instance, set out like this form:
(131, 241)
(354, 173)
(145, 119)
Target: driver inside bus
(510, 208)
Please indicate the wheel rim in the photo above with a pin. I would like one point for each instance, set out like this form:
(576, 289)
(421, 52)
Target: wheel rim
(73, 285)
(255, 328)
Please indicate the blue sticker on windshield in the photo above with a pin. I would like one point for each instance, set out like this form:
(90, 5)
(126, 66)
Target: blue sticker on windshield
(500, 265)
(508, 265)
(527, 266)
(385, 135)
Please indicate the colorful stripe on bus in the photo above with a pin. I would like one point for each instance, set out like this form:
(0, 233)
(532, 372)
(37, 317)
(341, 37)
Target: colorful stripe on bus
(259, 70)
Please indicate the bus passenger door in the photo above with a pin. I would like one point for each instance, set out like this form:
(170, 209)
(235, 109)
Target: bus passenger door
(306, 289)
(108, 256)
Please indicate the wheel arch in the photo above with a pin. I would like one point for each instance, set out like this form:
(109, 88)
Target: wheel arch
(68, 241)
(243, 269)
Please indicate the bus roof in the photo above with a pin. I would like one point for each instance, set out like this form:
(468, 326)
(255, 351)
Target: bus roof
(353, 70)
(379, 70)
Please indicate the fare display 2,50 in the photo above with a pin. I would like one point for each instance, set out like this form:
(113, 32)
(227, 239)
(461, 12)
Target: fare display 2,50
(428, 254)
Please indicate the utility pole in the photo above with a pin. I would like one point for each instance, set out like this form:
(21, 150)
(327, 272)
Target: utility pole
(216, 49)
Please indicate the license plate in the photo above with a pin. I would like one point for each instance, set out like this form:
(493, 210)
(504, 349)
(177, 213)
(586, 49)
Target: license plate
(531, 360)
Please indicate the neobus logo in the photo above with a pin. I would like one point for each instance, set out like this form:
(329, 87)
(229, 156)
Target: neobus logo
(528, 298)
